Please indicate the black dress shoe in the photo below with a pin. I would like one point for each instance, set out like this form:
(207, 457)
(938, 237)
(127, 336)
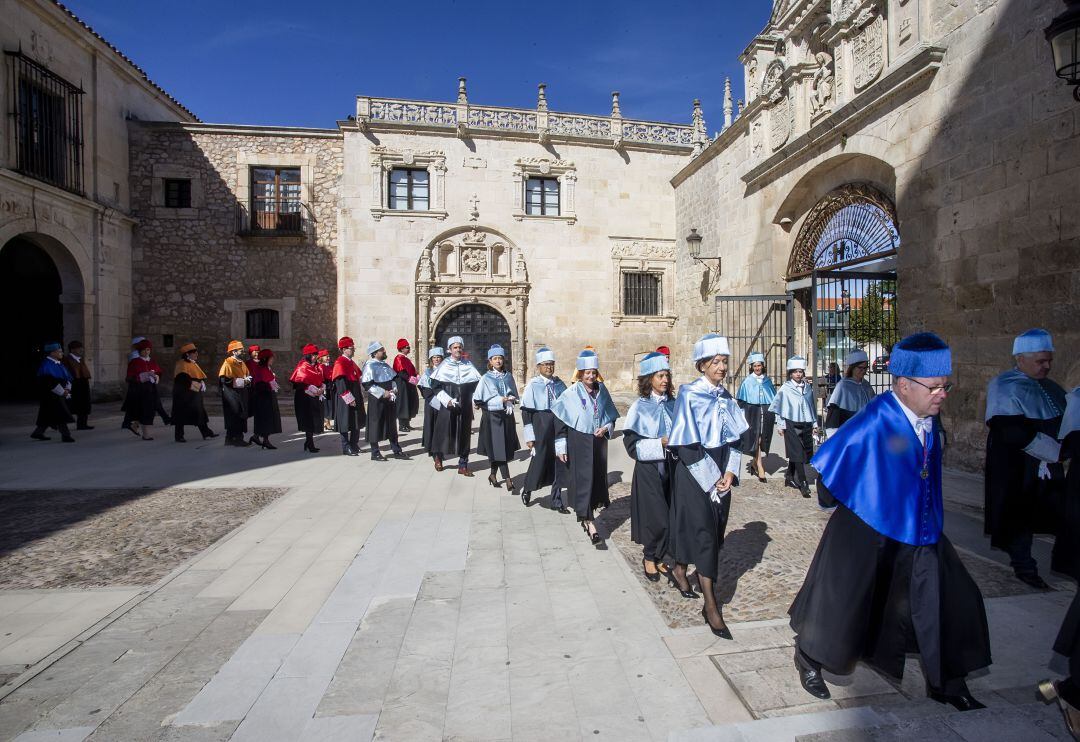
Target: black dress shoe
(40, 437)
(493, 481)
(723, 632)
(650, 576)
(805, 490)
(84, 427)
(68, 439)
(180, 439)
(211, 434)
(564, 510)
(1034, 580)
(811, 679)
(400, 455)
(376, 456)
(526, 498)
(688, 593)
(960, 702)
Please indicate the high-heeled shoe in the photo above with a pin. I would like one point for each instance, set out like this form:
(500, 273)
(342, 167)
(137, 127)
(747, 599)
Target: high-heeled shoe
(688, 593)
(493, 481)
(650, 576)
(723, 632)
(253, 441)
(1048, 690)
(310, 447)
(267, 444)
(211, 434)
(510, 484)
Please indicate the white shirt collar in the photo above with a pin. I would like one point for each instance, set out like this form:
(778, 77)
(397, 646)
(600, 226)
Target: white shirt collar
(78, 359)
(913, 419)
(52, 359)
(658, 398)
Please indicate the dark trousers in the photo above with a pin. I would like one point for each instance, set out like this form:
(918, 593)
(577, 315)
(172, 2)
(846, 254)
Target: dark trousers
(62, 427)
(350, 440)
(392, 437)
(951, 686)
(1020, 558)
(81, 421)
(557, 486)
(203, 428)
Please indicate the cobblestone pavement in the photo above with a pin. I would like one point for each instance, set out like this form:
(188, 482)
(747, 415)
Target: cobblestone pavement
(109, 537)
(771, 538)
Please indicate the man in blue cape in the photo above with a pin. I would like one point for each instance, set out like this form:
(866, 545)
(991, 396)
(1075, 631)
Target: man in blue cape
(885, 580)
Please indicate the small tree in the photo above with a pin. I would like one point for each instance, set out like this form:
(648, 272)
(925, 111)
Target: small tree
(875, 319)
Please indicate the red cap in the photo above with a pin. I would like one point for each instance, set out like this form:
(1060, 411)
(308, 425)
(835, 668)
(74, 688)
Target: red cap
(265, 354)
(663, 349)
(402, 343)
(253, 349)
(323, 352)
(346, 342)
(143, 344)
(309, 349)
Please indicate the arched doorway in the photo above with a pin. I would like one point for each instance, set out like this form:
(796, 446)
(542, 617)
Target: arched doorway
(842, 272)
(479, 326)
(30, 289)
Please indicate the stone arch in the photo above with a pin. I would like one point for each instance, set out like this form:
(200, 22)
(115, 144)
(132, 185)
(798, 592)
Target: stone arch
(472, 264)
(829, 175)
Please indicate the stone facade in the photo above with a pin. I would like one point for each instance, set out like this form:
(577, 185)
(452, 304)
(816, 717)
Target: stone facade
(198, 270)
(953, 112)
(85, 230)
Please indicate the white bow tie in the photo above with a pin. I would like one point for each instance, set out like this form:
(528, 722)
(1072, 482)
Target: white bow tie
(924, 425)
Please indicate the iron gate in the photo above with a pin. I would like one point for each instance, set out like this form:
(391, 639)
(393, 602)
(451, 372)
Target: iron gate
(480, 327)
(762, 324)
(852, 310)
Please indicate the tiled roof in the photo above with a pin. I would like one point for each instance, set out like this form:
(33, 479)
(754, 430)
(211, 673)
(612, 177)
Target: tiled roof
(124, 57)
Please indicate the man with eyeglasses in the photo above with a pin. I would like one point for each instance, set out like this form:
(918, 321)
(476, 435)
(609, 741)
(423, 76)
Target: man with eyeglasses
(885, 580)
(1023, 479)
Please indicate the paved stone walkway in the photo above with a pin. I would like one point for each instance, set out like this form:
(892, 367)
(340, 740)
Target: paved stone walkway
(389, 601)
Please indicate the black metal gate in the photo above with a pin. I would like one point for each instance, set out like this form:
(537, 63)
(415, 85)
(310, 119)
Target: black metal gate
(756, 324)
(480, 327)
(852, 310)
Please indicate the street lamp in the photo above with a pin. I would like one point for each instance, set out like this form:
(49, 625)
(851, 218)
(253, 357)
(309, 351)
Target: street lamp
(693, 246)
(1063, 33)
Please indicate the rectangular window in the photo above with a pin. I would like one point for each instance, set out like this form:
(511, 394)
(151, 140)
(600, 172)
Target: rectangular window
(178, 193)
(47, 129)
(262, 324)
(542, 196)
(410, 189)
(641, 294)
(275, 199)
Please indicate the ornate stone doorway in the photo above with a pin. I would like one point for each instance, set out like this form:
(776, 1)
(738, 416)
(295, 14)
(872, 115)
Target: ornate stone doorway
(473, 272)
(480, 327)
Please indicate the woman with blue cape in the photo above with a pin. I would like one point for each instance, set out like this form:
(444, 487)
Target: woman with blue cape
(586, 418)
(54, 395)
(645, 435)
(704, 438)
(797, 419)
(539, 429)
(431, 405)
(755, 395)
(851, 393)
(885, 580)
(453, 384)
(495, 397)
(1066, 560)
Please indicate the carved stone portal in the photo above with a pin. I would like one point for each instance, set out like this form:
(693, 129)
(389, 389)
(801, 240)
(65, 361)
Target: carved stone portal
(472, 265)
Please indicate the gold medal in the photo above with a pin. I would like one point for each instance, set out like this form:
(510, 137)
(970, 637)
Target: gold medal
(924, 474)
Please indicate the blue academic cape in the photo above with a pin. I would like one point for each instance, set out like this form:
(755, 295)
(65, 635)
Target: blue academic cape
(707, 415)
(756, 390)
(649, 418)
(575, 409)
(851, 395)
(493, 386)
(536, 398)
(54, 370)
(873, 465)
(792, 405)
(1015, 393)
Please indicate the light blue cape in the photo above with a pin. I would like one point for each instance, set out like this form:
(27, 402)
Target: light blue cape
(536, 397)
(377, 371)
(1015, 393)
(495, 385)
(575, 409)
(455, 372)
(791, 405)
(851, 395)
(650, 418)
(706, 415)
(756, 390)
(1071, 421)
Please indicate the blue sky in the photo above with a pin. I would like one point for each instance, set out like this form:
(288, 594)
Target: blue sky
(303, 63)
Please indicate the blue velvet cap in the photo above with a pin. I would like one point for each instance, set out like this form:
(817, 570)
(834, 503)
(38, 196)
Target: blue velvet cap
(1035, 340)
(496, 350)
(923, 355)
(436, 351)
(652, 363)
(755, 358)
(50, 347)
(587, 359)
(373, 346)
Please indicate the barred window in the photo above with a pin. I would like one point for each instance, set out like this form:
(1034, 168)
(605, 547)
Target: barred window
(178, 193)
(275, 199)
(410, 189)
(263, 324)
(641, 294)
(542, 196)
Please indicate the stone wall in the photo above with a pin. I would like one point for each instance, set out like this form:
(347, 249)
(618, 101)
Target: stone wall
(194, 275)
(981, 154)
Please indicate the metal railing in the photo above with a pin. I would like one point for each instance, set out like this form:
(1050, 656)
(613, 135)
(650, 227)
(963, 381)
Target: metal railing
(275, 217)
(47, 124)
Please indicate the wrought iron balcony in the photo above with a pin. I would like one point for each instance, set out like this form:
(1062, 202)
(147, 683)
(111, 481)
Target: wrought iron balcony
(275, 218)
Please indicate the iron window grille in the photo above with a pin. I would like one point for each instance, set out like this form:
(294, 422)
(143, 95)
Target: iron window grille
(263, 324)
(641, 294)
(275, 200)
(178, 193)
(48, 129)
(410, 189)
(542, 196)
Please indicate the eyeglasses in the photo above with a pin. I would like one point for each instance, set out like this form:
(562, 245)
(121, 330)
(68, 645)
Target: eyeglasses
(946, 388)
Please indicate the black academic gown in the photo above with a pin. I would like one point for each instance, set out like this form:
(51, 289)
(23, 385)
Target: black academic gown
(498, 438)
(349, 418)
(408, 400)
(428, 430)
(1016, 500)
(452, 435)
(587, 481)
(53, 409)
(697, 525)
(381, 413)
(308, 410)
(265, 413)
(234, 406)
(188, 407)
(650, 499)
(545, 468)
(835, 416)
(761, 421)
